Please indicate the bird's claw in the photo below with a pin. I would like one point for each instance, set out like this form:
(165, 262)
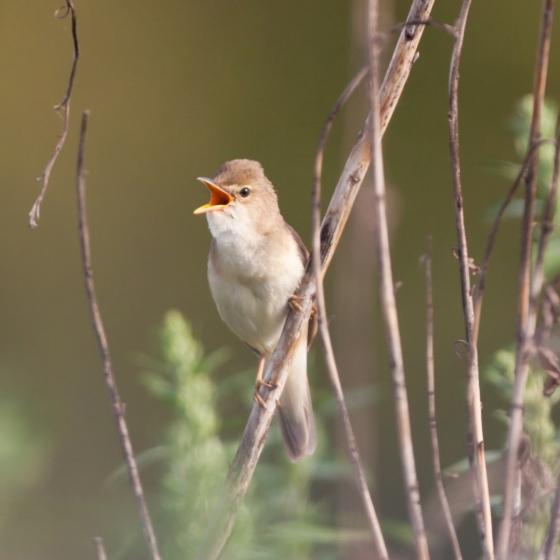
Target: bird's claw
(261, 383)
(258, 399)
(294, 304)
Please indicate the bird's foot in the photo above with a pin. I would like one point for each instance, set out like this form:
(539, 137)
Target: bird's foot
(262, 383)
(294, 304)
(257, 396)
(297, 307)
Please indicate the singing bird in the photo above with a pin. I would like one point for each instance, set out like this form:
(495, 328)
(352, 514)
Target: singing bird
(255, 265)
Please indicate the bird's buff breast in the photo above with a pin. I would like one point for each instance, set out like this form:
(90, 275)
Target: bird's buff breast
(251, 289)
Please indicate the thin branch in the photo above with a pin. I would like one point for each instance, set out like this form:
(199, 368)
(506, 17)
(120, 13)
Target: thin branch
(551, 542)
(116, 403)
(324, 329)
(526, 318)
(550, 545)
(64, 106)
(493, 234)
(430, 368)
(254, 436)
(100, 549)
(474, 406)
(388, 301)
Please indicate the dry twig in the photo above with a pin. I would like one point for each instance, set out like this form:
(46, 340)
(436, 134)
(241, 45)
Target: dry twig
(64, 106)
(551, 542)
(550, 545)
(474, 406)
(526, 318)
(324, 329)
(432, 403)
(116, 403)
(254, 436)
(388, 301)
(100, 549)
(481, 286)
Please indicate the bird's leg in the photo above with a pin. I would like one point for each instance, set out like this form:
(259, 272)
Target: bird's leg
(260, 382)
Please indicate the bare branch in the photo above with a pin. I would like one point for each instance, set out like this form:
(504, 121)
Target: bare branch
(116, 403)
(254, 436)
(63, 106)
(550, 545)
(526, 318)
(474, 406)
(494, 232)
(551, 542)
(98, 541)
(324, 329)
(388, 301)
(430, 368)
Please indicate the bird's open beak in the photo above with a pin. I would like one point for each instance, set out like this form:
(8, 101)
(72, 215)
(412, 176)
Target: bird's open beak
(220, 198)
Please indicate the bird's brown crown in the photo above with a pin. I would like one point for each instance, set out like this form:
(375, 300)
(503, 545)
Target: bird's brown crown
(241, 172)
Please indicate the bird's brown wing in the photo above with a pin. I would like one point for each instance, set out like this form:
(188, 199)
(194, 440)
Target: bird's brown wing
(313, 321)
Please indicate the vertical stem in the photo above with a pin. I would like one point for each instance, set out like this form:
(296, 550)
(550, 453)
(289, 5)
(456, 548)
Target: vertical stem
(388, 296)
(430, 367)
(100, 549)
(474, 406)
(550, 545)
(325, 335)
(526, 317)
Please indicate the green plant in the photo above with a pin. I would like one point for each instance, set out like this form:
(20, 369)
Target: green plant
(277, 519)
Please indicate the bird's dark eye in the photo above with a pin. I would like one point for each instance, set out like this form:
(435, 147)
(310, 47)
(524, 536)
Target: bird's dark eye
(245, 192)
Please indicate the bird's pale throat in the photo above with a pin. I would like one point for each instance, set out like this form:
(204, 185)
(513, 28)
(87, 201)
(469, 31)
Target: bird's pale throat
(220, 198)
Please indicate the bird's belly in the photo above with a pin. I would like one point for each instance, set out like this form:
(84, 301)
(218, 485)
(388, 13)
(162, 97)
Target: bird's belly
(256, 313)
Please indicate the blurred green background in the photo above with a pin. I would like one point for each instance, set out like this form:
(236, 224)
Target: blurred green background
(175, 89)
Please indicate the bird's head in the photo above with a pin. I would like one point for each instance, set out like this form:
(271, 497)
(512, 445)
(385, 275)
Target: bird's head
(242, 199)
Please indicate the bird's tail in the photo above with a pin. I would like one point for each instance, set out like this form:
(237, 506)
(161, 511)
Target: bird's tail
(295, 410)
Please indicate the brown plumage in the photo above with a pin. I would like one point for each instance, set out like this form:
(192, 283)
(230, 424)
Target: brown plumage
(256, 263)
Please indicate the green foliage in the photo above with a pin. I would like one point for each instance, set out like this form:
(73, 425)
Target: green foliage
(277, 520)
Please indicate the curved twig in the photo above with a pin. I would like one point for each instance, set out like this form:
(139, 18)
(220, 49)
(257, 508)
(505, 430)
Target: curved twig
(110, 380)
(64, 106)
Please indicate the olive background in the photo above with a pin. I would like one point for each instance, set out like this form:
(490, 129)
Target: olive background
(174, 89)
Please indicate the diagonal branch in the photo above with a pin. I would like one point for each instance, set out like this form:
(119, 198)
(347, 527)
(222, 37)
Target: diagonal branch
(527, 162)
(63, 106)
(526, 318)
(116, 403)
(254, 436)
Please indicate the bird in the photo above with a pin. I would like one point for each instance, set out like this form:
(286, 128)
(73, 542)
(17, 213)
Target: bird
(255, 265)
